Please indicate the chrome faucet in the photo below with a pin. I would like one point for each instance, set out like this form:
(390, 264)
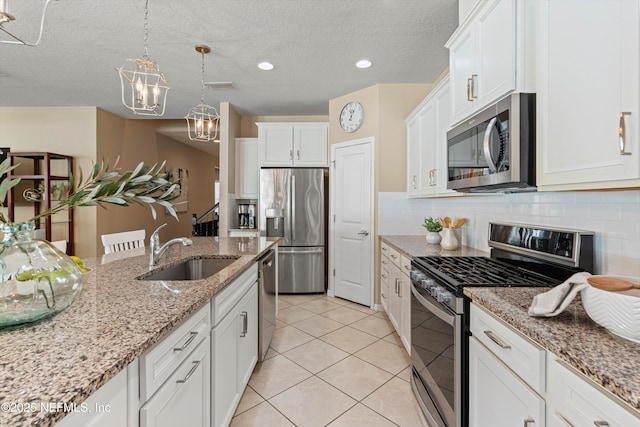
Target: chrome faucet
(157, 251)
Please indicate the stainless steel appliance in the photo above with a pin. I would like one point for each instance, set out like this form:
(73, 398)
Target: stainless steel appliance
(267, 292)
(292, 207)
(495, 149)
(521, 255)
(246, 215)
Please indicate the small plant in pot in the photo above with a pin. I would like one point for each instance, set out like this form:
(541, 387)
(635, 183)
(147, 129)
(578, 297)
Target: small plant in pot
(434, 228)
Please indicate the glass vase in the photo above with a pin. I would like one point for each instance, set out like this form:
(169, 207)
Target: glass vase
(37, 281)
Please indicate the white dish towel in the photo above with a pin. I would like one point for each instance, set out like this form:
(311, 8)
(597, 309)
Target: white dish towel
(553, 302)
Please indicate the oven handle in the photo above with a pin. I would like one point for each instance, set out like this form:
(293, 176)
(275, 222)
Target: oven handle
(438, 311)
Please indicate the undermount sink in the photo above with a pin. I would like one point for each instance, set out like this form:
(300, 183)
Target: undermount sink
(191, 269)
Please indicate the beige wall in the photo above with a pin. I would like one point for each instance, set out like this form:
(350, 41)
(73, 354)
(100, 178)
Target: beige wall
(63, 130)
(386, 106)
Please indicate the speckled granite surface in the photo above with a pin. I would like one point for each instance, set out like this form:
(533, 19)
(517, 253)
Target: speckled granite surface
(610, 361)
(115, 319)
(418, 246)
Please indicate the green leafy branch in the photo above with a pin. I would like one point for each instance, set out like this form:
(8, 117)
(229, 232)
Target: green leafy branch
(144, 186)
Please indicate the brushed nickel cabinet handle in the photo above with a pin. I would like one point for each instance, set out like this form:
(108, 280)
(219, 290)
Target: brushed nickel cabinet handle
(600, 423)
(186, 344)
(474, 92)
(297, 154)
(469, 98)
(290, 154)
(497, 340)
(245, 323)
(622, 133)
(191, 371)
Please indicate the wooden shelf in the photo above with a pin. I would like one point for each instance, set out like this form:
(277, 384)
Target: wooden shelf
(41, 172)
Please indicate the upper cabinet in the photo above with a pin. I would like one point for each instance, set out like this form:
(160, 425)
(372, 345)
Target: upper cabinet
(588, 95)
(247, 168)
(294, 144)
(491, 54)
(427, 128)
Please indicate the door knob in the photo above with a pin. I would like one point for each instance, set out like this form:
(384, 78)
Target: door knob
(363, 233)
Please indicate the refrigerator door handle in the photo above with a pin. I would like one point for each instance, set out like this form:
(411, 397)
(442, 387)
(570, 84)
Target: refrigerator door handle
(293, 208)
(285, 250)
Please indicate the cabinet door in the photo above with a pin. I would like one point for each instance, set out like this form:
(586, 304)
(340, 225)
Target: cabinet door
(497, 397)
(443, 124)
(427, 165)
(414, 136)
(277, 144)
(225, 368)
(575, 402)
(405, 312)
(247, 168)
(462, 57)
(311, 144)
(183, 400)
(248, 337)
(395, 302)
(587, 79)
(495, 57)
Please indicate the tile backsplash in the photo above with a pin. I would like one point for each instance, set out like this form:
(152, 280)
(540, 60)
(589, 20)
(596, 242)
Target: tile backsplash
(613, 216)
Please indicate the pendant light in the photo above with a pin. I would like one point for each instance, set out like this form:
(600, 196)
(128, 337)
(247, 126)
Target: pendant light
(144, 88)
(6, 17)
(203, 119)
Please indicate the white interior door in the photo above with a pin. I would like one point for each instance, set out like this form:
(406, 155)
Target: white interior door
(352, 225)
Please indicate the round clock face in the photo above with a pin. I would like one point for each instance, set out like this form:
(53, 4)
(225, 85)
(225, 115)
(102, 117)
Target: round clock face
(351, 116)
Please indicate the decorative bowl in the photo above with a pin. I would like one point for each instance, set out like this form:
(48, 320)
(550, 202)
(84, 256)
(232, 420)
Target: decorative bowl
(618, 312)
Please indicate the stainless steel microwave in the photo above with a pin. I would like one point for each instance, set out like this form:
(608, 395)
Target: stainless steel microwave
(495, 150)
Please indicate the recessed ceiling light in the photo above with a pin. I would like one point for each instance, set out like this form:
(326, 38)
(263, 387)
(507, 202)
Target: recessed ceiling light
(363, 63)
(266, 66)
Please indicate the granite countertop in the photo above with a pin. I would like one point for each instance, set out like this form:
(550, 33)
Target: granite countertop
(115, 319)
(604, 358)
(418, 246)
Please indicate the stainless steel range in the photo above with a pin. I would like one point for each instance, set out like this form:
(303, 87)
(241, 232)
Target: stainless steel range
(521, 255)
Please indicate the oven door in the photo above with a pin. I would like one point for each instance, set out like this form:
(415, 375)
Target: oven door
(436, 337)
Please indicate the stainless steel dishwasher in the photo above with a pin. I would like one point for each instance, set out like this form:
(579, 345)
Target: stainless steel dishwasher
(266, 301)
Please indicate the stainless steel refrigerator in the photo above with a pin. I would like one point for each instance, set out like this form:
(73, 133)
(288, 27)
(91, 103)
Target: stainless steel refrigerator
(292, 207)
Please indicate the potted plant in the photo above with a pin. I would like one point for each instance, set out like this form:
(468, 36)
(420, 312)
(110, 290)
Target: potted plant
(38, 281)
(433, 227)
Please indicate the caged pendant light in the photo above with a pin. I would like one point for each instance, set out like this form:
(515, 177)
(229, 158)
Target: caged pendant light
(203, 119)
(6, 17)
(144, 88)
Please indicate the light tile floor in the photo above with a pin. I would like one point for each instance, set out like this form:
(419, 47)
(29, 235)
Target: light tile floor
(331, 363)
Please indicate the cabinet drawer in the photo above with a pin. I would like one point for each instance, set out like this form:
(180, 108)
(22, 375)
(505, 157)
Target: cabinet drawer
(229, 297)
(394, 256)
(405, 265)
(577, 402)
(161, 361)
(384, 262)
(525, 359)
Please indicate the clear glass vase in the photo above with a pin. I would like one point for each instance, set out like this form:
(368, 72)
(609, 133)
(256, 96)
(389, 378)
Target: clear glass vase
(36, 279)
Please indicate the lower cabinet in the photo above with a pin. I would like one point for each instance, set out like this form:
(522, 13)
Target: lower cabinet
(184, 398)
(497, 397)
(395, 291)
(234, 347)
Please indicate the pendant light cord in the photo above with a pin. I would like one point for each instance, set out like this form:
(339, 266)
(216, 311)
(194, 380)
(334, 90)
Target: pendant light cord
(202, 79)
(145, 56)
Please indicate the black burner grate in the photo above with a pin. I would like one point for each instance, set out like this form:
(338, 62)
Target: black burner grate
(481, 271)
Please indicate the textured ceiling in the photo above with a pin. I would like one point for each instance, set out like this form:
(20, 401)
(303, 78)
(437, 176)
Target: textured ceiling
(313, 44)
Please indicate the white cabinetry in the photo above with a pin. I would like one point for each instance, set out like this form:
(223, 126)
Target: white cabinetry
(427, 128)
(234, 344)
(588, 94)
(175, 380)
(395, 291)
(572, 401)
(247, 168)
(491, 54)
(294, 144)
(106, 407)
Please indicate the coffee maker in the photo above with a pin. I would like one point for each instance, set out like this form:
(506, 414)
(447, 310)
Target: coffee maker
(246, 215)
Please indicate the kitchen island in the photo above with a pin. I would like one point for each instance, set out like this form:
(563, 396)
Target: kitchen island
(115, 319)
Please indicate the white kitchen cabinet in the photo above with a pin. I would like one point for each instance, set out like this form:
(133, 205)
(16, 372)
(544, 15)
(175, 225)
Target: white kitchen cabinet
(572, 401)
(394, 300)
(405, 303)
(234, 345)
(106, 407)
(247, 168)
(427, 128)
(491, 54)
(294, 144)
(497, 397)
(184, 398)
(384, 276)
(588, 105)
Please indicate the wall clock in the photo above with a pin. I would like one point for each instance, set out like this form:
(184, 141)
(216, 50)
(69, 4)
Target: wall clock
(351, 116)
